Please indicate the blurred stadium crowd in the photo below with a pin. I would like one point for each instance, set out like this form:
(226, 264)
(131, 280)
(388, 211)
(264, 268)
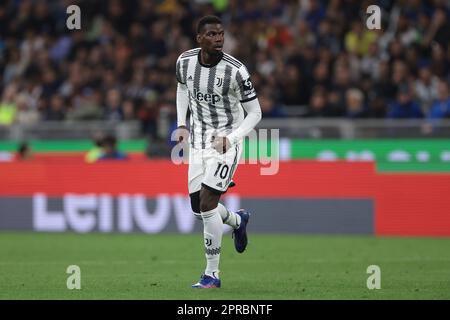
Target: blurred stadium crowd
(307, 58)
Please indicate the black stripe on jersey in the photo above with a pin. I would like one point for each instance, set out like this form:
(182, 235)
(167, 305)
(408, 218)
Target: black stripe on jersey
(239, 80)
(184, 77)
(249, 99)
(190, 53)
(226, 99)
(189, 56)
(178, 73)
(233, 167)
(192, 128)
(226, 55)
(210, 89)
(197, 74)
(231, 62)
(191, 50)
(185, 69)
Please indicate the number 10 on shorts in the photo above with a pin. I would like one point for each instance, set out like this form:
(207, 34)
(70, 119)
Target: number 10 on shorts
(222, 172)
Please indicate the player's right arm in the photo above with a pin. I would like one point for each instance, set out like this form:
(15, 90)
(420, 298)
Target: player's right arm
(182, 102)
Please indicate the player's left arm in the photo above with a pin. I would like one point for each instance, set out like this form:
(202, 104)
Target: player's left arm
(247, 96)
(254, 115)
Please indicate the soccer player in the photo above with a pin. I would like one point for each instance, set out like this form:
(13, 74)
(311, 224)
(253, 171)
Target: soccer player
(215, 87)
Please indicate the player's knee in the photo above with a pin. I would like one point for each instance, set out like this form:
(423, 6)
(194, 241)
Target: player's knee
(204, 207)
(208, 199)
(207, 205)
(195, 201)
(195, 204)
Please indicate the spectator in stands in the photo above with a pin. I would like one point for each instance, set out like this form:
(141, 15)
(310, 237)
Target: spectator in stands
(319, 106)
(113, 108)
(87, 105)
(314, 13)
(426, 88)
(96, 151)
(269, 107)
(441, 107)
(342, 82)
(8, 108)
(321, 75)
(25, 113)
(370, 63)
(404, 107)
(291, 86)
(110, 151)
(359, 39)
(24, 152)
(355, 104)
(439, 30)
(119, 66)
(128, 110)
(57, 109)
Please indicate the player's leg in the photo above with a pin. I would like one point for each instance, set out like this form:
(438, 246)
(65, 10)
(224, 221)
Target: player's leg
(229, 217)
(212, 229)
(216, 180)
(218, 176)
(195, 177)
(195, 204)
(212, 236)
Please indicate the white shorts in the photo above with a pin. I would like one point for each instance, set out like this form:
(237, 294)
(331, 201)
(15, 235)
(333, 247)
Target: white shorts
(212, 169)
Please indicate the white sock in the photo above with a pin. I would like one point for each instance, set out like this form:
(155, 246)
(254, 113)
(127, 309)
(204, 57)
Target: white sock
(212, 235)
(230, 218)
(198, 216)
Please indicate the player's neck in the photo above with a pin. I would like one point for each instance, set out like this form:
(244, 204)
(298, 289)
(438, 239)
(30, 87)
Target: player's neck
(208, 59)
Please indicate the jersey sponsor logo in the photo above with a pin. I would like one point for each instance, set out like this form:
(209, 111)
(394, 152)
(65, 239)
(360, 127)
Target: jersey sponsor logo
(206, 97)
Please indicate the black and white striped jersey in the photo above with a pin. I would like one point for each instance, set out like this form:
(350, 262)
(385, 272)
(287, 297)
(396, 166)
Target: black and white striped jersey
(215, 95)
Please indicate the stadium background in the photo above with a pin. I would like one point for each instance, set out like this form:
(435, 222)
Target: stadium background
(363, 119)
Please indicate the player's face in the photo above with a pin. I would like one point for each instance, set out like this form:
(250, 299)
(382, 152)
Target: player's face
(212, 38)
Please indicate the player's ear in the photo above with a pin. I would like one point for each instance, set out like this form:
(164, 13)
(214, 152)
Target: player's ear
(199, 38)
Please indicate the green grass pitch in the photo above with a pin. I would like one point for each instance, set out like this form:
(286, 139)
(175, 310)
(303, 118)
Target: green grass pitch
(139, 266)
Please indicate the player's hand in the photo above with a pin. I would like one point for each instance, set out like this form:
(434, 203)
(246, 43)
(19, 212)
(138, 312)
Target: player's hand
(221, 144)
(181, 134)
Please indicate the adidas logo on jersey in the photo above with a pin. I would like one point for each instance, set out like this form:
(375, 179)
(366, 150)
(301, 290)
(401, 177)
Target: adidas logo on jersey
(206, 97)
(190, 78)
(220, 185)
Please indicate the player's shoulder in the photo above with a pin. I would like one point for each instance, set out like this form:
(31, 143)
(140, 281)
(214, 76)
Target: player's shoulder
(234, 63)
(189, 53)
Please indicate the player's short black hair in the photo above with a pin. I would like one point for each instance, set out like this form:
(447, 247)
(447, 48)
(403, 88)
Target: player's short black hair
(23, 147)
(109, 140)
(207, 20)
